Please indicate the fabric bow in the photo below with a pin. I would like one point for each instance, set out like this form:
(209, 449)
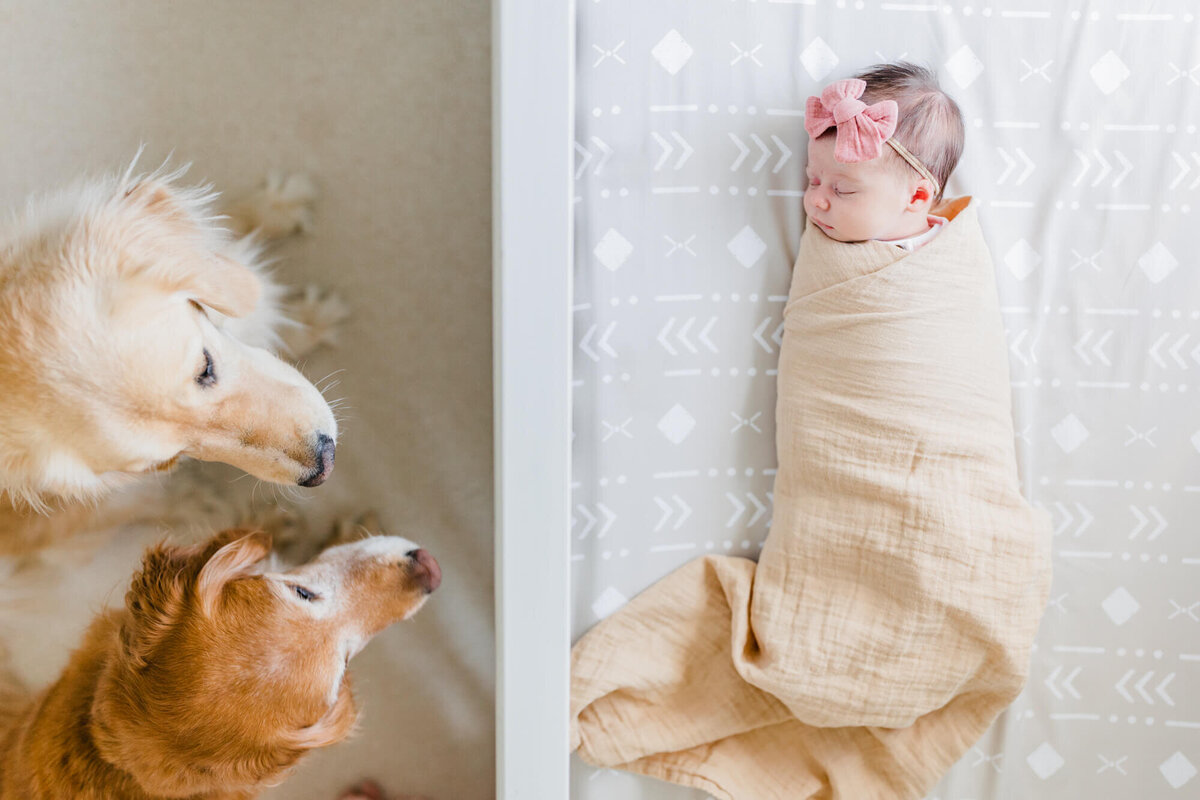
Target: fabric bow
(861, 129)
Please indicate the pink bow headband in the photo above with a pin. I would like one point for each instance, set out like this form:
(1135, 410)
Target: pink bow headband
(862, 129)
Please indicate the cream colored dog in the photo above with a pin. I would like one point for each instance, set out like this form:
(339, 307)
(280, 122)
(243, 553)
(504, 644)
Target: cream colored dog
(133, 331)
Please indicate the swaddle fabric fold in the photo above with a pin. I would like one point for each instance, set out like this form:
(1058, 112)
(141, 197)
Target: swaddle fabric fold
(890, 617)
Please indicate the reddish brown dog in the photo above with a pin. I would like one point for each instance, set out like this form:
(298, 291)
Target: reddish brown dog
(217, 677)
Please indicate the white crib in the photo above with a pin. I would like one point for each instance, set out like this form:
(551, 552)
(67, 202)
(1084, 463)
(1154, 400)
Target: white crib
(685, 185)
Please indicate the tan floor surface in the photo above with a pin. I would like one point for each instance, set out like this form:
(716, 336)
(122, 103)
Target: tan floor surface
(387, 105)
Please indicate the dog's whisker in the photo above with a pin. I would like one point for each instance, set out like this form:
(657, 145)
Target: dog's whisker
(328, 386)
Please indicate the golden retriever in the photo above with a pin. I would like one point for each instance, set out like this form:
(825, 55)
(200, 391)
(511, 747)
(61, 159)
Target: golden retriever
(134, 330)
(217, 676)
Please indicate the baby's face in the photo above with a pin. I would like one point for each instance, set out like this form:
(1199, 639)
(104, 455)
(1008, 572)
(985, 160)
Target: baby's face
(857, 202)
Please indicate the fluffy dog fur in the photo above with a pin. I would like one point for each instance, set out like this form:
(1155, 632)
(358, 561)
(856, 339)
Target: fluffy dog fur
(217, 676)
(133, 332)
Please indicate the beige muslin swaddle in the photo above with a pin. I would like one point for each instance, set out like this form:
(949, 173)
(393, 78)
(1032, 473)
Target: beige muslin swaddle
(890, 617)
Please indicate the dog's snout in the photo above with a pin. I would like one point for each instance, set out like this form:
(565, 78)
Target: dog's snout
(323, 453)
(426, 569)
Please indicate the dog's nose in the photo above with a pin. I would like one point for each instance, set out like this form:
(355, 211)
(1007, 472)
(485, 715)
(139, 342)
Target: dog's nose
(426, 568)
(323, 454)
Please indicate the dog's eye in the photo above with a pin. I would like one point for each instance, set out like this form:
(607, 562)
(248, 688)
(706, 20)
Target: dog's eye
(208, 376)
(305, 594)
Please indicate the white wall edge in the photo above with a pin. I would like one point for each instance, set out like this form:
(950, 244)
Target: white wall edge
(533, 70)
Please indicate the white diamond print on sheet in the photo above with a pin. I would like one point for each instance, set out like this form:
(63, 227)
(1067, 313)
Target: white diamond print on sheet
(1083, 151)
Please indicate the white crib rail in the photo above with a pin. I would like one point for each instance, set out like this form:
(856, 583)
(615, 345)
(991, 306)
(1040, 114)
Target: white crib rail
(533, 108)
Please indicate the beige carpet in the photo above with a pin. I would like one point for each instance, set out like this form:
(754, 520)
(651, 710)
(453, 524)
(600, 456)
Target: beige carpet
(387, 105)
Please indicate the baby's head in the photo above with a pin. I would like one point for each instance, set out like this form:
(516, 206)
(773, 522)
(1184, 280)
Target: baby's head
(853, 198)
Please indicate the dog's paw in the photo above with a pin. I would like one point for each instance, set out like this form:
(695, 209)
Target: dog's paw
(283, 205)
(285, 526)
(366, 790)
(370, 790)
(351, 529)
(318, 314)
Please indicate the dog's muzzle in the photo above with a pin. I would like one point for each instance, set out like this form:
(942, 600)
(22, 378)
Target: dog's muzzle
(323, 454)
(425, 569)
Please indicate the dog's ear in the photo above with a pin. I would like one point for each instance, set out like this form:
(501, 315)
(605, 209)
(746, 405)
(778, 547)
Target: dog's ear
(229, 562)
(224, 285)
(158, 595)
(156, 600)
(215, 280)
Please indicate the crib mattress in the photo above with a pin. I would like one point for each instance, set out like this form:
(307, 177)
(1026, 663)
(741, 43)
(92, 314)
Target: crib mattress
(1083, 152)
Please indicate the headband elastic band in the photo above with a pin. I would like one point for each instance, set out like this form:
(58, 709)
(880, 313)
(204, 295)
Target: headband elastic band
(916, 164)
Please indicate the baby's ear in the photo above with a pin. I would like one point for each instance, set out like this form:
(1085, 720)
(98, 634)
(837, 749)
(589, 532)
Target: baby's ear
(230, 561)
(922, 198)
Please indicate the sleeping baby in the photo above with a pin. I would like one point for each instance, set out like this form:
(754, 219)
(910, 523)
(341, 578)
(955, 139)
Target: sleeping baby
(891, 614)
(883, 145)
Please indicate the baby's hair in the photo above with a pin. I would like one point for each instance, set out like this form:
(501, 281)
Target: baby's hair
(931, 125)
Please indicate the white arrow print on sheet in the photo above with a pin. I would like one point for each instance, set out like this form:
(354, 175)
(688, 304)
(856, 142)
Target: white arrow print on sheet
(682, 335)
(609, 518)
(1140, 687)
(685, 511)
(1173, 350)
(1097, 349)
(1082, 260)
(1105, 168)
(746, 422)
(1011, 164)
(1184, 169)
(1138, 436)
(739, 508)
(1068, 518)
(776, 337)
(611, 429)
(750, 54)
(685, 245)
(1189, 611)
(1031, 70)
(1177, 73)
(668, 149)
(765, 153)
(996, 761)
(604, 149)
(1015, 347)
(1160, 526)
(614, 54)
(585, 344)
(1066, 684)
